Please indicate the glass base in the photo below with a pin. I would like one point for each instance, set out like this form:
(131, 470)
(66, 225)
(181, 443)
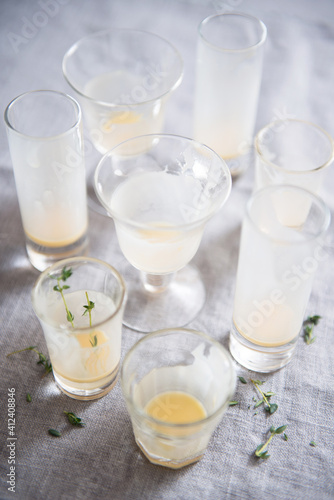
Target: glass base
(41, 257)
(239, 164)
(159, 302)
(260, 358)
(85, 393)
(165, 462)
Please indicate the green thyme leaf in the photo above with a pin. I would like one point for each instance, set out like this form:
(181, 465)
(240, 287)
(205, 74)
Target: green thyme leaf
(73, 419)
(233, 403)
(269, 394)
(242, 380)
(313, 319)
(54, 432)
(28, 397)
(281, 429)
(272, 408)
(93, 341)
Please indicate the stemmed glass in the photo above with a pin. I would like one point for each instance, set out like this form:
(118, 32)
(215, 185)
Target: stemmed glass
(161, 190)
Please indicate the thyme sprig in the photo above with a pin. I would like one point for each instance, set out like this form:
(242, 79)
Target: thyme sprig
(269, 407)
(261, 451)
(309, 325)
(43, 360)
(65, 274)
(88, 308)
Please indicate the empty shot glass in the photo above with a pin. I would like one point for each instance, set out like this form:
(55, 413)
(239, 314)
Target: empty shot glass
(280, 250)
(177, 384)
(79, 303)
(45, 142)
(228, 78)
(292, 152)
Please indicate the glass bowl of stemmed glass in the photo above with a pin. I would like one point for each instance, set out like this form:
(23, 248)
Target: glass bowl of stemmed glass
(161, 190)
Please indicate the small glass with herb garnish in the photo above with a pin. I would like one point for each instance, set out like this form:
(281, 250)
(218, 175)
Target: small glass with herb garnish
(79, 303)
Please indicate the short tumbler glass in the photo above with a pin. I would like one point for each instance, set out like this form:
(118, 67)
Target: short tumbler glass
(280, 250)
(177, 384)
(123, 78)
(79, 303)
(45, 142)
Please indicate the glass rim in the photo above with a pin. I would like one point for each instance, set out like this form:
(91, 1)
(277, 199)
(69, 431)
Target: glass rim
(259, 147)
(277, 187)
(170, 425)
(140, 225)
(63, 263)
(258, 21)
(97, 34)
(67, 97)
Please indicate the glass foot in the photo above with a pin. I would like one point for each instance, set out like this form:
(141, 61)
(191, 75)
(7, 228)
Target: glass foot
(259, 358)
(165, 462)
(159, 302)
(239, 164)
(87, 391)
(41, 257)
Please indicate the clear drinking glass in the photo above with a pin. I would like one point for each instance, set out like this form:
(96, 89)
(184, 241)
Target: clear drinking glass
(228, 78)
(123, 78)
(280, 250)
(79, 303)
(161, 199)
(45, 142)
(177, 384)
(292, 152)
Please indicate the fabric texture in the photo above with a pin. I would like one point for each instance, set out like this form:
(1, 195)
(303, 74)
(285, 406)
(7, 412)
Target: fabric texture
(102, 460)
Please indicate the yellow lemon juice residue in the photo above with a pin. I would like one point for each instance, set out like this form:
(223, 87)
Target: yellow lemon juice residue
(160, 232)
(175, 407)
(121, 118)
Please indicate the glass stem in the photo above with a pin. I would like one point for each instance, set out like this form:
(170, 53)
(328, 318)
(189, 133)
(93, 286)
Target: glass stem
(156, 283)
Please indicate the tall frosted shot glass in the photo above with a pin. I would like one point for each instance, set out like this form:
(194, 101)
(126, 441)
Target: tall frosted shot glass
(280, 251)
(292, 152)
(228, 78)
(177, 384)
(79, 303)
(45, 142)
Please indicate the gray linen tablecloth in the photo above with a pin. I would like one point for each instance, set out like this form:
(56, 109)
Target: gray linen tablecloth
(102, 460)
